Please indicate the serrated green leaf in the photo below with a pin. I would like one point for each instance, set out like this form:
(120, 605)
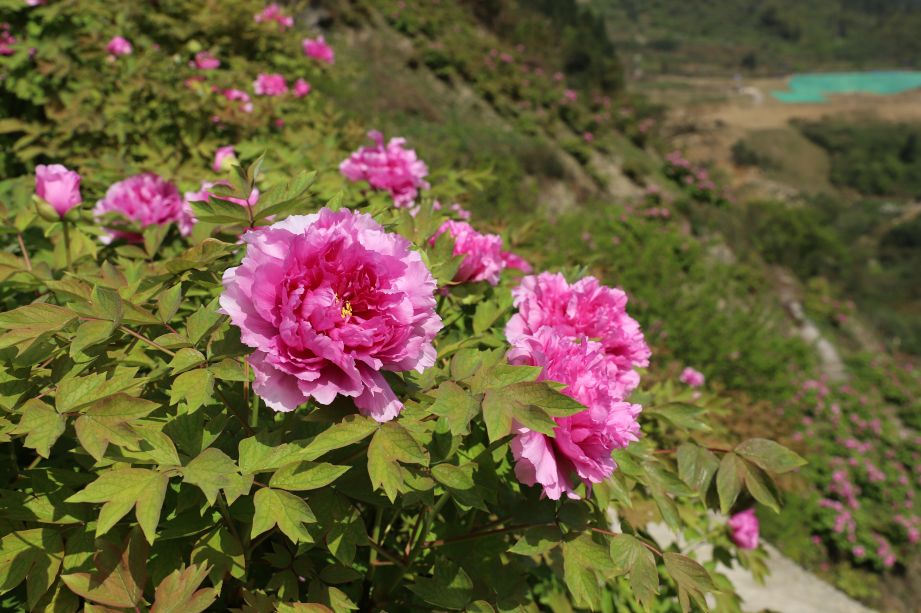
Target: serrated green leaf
(179, 593)
(287, 511)
(213, 470)
(121, 489)
(195, 387)
(456, 406)
(91, 333)
(41, 424)
(696, 466)
(639, 563)
(349, 431)
(168, 303)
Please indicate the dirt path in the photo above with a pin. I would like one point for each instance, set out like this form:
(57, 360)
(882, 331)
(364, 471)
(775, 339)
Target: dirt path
(788, 589)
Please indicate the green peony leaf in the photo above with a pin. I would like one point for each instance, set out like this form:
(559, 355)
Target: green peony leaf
(772, 457)
(301, 476)
(120, 489)
(287, 511)
(41, 424)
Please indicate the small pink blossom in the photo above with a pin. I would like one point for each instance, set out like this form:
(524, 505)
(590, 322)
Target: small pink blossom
(205, 61)
(482, 253)
(119, 46)
(744, 529)
(391, 168)
(7, 40)
(238, 95)
(692, 377)
(328, 301)
(58, 186)
(516, 262)
(145, 199)
(273, 12)
(35, 2)
(224, 157)
(301, 88)
(318, 49)
(270, 85)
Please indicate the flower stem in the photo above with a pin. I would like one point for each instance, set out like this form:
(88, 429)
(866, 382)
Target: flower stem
(67, 243)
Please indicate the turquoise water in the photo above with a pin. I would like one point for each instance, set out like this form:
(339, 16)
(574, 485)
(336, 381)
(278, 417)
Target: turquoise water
(806, 88)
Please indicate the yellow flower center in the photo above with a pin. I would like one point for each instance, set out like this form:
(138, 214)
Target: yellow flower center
(347, 310)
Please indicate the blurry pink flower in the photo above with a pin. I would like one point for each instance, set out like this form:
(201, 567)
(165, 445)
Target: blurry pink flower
(318, 49)
(516, 262)
(570, 95)
(270, 85)
(393, 168)
(273, 12)
(204, 193)
(301, 88)
(588, 137)
(224, 157)
(328, 301)
(692, 377)
(7, 40)
(205, 61)
(582, 311)
(119, 46)
(482, 252)
(237, 95)
(859, 551)
(582, 443)
(58, 186)
(744, 527)
(145, 199)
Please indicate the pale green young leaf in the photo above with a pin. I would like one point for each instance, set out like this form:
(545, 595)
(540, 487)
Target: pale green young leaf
(287, 511)
(349, 431)
(729, 480)
(637, 560)
(120, 489)
(213, 470)
(302, 476)
(770, 456)
(41, 424)
(168, 303)
(194, 387)
(179, 593)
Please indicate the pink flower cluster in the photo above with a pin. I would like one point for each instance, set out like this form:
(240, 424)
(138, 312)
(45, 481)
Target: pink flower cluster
(58, 186)
(145, 199)
(7, 40)
(237, 95)
(270, 85)
(328, 301)
(205, 61)
(692, 377)
(318, 49)
(273, 12)
(119, 46)
(744, 529)
(581, 336)
(679, 168)
(482, 253)
(391, 168)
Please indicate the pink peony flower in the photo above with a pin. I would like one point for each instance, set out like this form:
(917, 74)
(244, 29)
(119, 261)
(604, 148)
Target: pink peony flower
(205, 61)
(7, 40)
(58, 186)
(119, 46)
(318, 49)
(270, 85)
(744, 527)
(237, 95)
(584, 310)
(145, 199)
(392, 168)
(328, 301)
(582, 443)
(273, 12)
(301, 88)
(692, 377)
(223, 158)
(482, 252)
(512, 260)
(35, 2)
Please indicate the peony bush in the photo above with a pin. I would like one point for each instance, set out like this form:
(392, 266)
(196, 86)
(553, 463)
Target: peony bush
(231, 382)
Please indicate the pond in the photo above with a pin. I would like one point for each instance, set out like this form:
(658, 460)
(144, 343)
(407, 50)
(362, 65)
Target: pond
(813, 88)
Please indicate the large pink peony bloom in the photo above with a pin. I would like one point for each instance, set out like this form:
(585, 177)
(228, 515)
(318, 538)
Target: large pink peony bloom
(318, 49)
(119, 46)
(270, 85)
(692, 377)
(392, 168)
(146, 199)
(582, 443)
(328, 301)
(584, 310)
(58, 186)
(482, 252)
(744, 527)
